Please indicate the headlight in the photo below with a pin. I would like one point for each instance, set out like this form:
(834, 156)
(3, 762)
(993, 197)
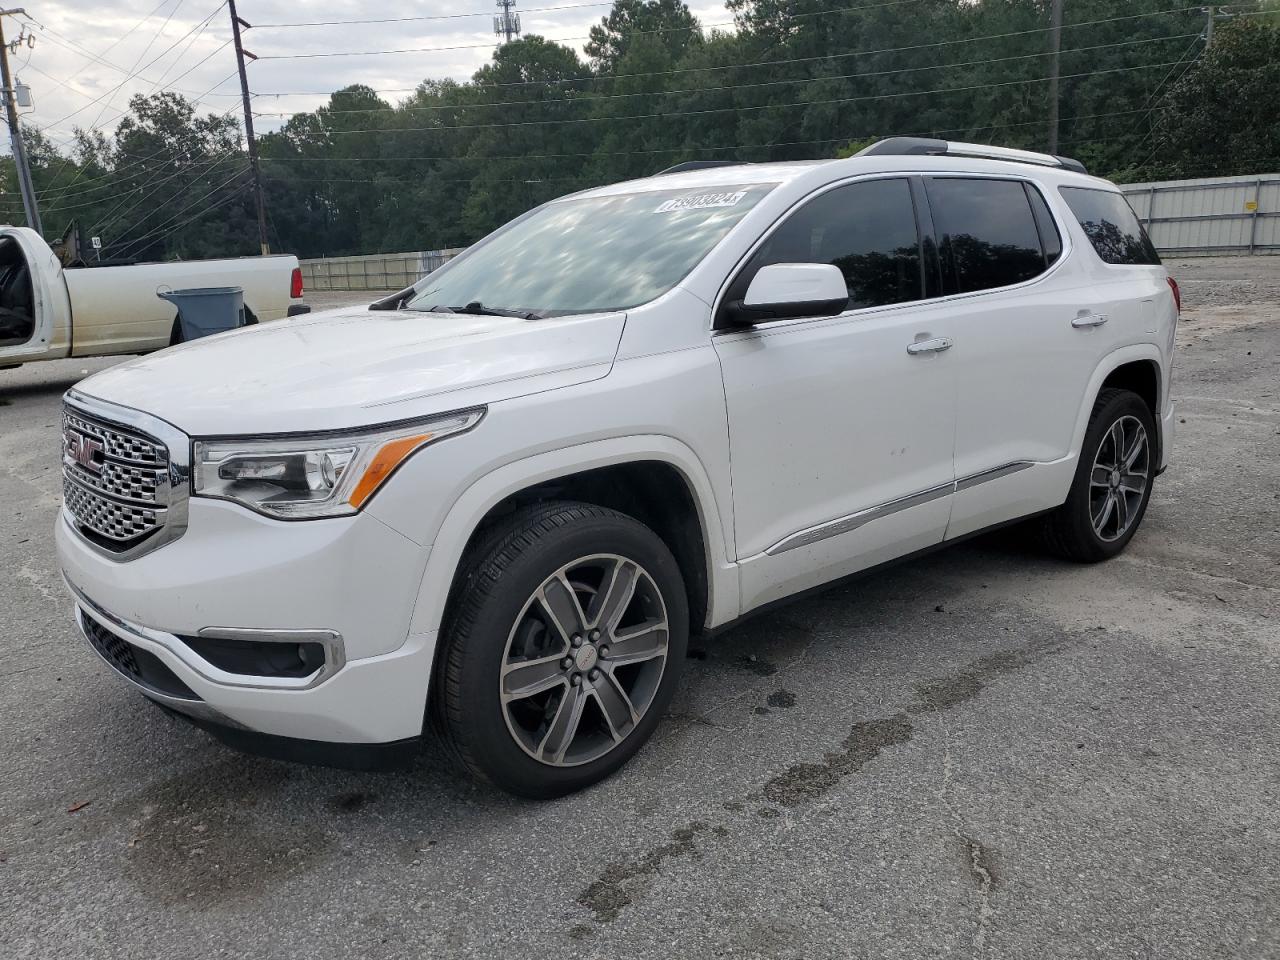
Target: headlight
(327, 475)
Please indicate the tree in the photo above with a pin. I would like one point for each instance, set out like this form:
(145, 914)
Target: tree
(1224, 113)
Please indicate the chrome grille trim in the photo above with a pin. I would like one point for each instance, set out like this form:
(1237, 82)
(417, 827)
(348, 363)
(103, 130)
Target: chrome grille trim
(136, 484)
(120, 445)
(121, 522)
(130, 496)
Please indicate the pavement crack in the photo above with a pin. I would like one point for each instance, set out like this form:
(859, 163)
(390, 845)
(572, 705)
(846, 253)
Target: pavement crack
(984, 878)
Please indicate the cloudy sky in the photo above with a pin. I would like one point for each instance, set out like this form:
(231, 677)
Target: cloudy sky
(89, 57)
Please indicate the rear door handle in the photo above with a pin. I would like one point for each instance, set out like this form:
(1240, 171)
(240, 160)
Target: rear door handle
(936, 345)
(1089, 320)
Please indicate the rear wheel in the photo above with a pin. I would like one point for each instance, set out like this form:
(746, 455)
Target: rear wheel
(562, 648)
(1112, 485)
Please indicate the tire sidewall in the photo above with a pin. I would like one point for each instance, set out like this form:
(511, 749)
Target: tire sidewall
(488, 740)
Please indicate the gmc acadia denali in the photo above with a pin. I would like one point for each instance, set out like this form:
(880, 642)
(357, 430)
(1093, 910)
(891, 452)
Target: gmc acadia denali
(497, 503)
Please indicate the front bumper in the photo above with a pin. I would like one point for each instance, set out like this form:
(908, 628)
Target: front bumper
(233, 569)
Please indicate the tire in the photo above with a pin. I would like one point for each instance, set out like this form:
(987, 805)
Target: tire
(521, 659)
(175, 335)
(1073, 530)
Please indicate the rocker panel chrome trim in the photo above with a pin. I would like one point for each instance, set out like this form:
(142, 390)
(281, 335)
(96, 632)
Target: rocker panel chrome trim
(995, 473)
(833, 528)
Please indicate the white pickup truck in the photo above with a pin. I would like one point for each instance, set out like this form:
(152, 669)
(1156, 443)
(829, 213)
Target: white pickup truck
(48, 312)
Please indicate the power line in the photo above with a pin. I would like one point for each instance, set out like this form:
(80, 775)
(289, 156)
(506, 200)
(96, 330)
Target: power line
(595, 97)
(98, 120)
(444, 16)
(729, 23)
(160, 227)
(607, 78)
(74, 46)
(138, 73)
(115, 214)
(684, 149)
(715, 110)
(161, 232)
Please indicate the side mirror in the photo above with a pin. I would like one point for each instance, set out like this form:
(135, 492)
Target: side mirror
(782, 291)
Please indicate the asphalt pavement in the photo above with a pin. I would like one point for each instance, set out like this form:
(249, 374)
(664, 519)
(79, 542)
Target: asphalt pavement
(983, 753)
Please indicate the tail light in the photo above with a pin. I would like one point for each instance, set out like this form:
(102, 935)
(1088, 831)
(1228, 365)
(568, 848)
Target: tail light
(1177, 294)
(295, 284)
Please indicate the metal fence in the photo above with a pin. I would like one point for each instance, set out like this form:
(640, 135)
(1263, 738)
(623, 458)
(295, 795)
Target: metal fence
(1225, 215)
(1222, 215)
(388, 271)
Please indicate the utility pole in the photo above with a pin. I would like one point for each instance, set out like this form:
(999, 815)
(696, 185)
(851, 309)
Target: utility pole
(1208, 30)
(1055, 46)
(15, 132)
(507, 24)
(254, 167)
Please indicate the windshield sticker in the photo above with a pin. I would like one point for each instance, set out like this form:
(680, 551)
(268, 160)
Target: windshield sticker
(701, 201)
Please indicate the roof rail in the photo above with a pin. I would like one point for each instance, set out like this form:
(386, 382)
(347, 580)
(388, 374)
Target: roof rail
(927, 146)
(699, 165)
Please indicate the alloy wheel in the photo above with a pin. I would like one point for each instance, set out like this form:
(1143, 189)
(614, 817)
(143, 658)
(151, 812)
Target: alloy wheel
(1118, 481)
(584, 660)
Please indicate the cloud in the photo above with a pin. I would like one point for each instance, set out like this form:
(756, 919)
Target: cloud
(89, 58)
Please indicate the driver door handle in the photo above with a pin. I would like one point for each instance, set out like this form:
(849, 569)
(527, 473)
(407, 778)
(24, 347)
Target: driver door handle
(936, 345)
(1089, 320)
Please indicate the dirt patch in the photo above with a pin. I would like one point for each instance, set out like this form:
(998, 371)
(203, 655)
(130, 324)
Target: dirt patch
(615, 889)
(804, 782)
(201, 839)
(781, 698)
(943, 693)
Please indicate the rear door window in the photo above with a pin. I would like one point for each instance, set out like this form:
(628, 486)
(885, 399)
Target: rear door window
(987, 233)
(1111, 226)
(867, 229)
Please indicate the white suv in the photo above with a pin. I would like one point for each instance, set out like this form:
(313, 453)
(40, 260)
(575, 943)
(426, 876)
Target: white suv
(498, 502)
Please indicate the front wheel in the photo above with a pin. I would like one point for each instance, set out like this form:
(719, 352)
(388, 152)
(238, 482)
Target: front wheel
(563, 643)
(1112, 484)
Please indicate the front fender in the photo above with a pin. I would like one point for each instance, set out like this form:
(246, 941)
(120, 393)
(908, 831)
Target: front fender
(483, 494)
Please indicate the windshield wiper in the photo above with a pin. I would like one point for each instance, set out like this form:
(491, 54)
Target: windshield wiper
(479, 309)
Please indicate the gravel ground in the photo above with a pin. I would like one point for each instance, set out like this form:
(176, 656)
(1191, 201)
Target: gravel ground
(983, 753)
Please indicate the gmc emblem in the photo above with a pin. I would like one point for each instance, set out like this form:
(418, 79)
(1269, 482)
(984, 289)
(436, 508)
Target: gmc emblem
(84, 451)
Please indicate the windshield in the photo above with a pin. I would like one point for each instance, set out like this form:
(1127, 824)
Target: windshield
(591, 255)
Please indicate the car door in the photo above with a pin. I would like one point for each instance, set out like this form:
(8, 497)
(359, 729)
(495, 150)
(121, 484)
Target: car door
(840, 428)
(1026, 322)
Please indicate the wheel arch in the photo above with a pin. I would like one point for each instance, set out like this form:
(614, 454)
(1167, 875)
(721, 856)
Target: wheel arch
(635, 475)
(1139, 368)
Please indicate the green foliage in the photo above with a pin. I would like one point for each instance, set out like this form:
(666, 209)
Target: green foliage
(1140, 98)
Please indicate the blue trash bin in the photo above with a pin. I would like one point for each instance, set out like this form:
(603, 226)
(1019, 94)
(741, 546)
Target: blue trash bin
(203, 311)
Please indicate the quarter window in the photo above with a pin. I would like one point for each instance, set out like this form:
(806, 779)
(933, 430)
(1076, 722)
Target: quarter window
(987, 231)
(1111, 226)
(867, 229)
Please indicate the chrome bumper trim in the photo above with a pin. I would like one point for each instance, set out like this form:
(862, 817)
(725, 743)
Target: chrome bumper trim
(335, 649)
(198, 709)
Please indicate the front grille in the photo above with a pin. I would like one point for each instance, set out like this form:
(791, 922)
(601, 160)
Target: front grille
(115, 482)
(121, 523)
(119, 444)
(140, 666)
(138, 484)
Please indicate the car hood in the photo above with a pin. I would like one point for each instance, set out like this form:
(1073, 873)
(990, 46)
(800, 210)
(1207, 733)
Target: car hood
(355, 367)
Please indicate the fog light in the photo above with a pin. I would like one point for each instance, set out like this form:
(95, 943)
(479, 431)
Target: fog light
(295, 654)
